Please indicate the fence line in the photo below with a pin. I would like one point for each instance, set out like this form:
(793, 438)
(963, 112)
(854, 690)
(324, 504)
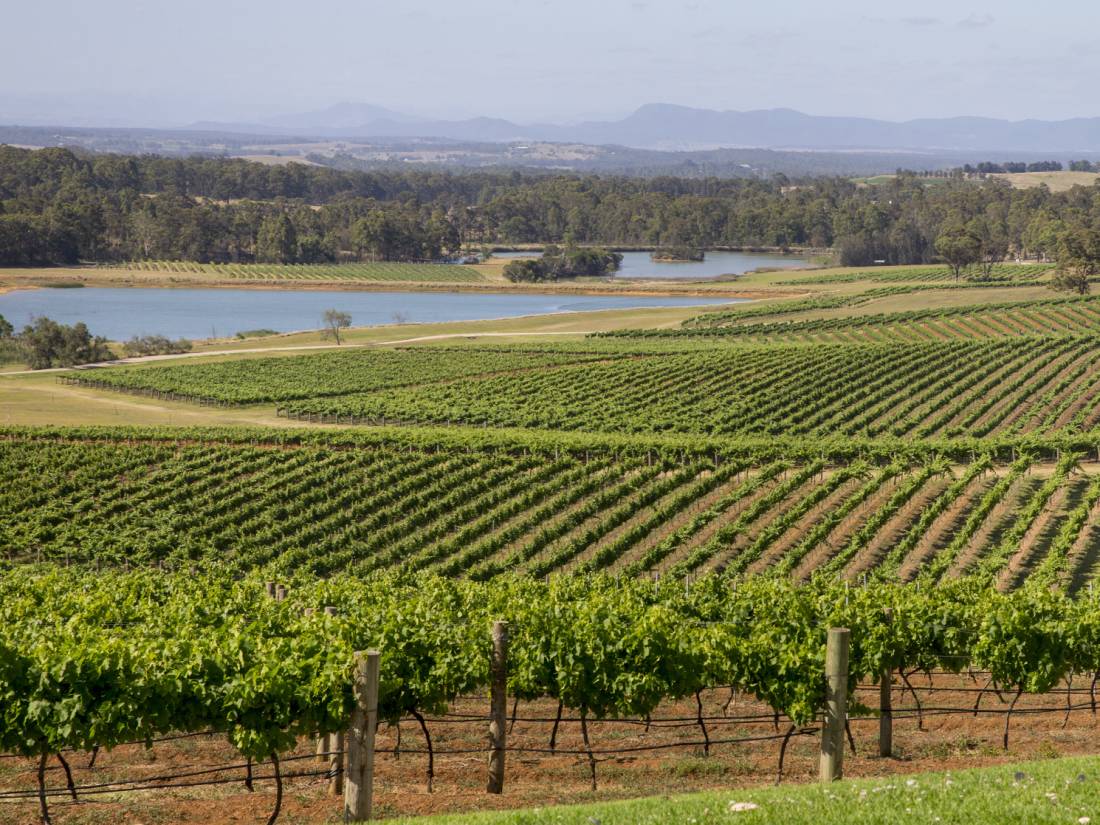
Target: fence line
(351, 768)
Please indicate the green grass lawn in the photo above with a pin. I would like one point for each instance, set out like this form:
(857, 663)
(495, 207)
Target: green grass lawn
(1030, 793)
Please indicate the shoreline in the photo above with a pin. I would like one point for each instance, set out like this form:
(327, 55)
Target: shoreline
(529, 316)
(629, 289)
(788, 251)
(542, 325)
(708, 301)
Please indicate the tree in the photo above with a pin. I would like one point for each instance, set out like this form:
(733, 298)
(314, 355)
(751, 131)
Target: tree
(6, 329)
(1070, 280)
(369, 235)
(335, 321)
(993, 243)
(277, 240)
(155, 345)
(526, 270)
(1040, 236)
(24, 240)
(50, 344)
(312, 250)
(1078, 260)
(958, 247)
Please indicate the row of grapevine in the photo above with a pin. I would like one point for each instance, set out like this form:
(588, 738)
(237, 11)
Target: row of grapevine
(1051, 316)
(943, 389)
(769, 310)
(283, 378)
(480, 513)
(380, 271)
(96, 660)
(998, 273)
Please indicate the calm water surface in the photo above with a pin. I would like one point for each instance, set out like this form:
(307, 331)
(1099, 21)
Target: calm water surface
(640, 265)
(119, 314)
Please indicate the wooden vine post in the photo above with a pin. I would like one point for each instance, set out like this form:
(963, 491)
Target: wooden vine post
(359, 783)
(498, 707)
(831, 765)
(336, 764)
(334, 746)
(885, 701)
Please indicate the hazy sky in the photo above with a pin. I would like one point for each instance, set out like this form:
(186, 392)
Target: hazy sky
(179, 61)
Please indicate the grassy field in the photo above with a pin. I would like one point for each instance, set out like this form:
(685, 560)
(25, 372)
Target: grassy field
(550, 327)
(880, 180)
(31, 400)
(1055, 181)
(1058, 792)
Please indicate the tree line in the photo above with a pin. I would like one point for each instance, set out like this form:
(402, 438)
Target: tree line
(1011, 167)
(46, 343)
(61, 207)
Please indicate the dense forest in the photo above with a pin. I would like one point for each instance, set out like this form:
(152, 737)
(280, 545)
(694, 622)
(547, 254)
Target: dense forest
(57, 206)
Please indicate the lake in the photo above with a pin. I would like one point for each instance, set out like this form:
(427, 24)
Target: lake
(119, 314)
(640, 265)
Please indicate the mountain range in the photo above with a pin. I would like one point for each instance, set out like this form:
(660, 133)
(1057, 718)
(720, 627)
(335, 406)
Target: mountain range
(672, 127)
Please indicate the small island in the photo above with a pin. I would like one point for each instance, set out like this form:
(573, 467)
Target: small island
(558, 264)
(677, 254)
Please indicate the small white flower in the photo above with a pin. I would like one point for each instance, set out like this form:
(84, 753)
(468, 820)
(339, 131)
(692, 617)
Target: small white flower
(737, 807)
(911, 783)
(1084, 821)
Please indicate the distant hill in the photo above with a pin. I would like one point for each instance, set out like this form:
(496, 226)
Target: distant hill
(546, 156)
(667, 126)
(341, 116)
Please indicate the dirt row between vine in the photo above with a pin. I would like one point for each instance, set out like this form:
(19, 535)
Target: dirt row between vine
(948, 742)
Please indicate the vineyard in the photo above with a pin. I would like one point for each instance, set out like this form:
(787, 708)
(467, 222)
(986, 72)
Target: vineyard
(1048, 317)
(481, 512)
(382, 271)
(1003, 273)
(944, 389)
(260, 380)
(669, 522)
(929, 390)
(203, 653)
